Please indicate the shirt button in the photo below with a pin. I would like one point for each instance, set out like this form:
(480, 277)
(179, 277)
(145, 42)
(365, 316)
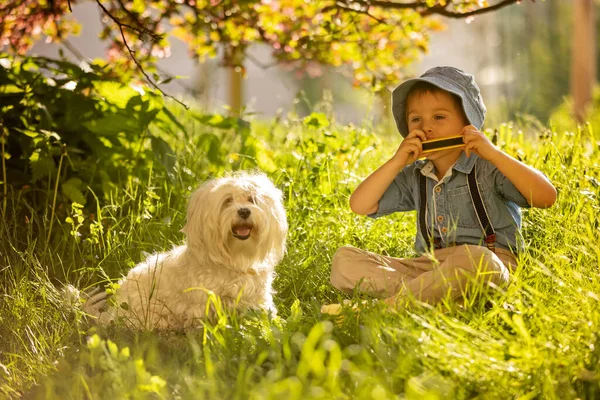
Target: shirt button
(440, 218)
(438, 189)
(444, 230)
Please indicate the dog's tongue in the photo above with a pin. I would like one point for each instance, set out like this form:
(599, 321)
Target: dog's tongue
(242, 231)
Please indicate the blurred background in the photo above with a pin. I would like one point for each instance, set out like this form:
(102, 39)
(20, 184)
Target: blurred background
(522, 57)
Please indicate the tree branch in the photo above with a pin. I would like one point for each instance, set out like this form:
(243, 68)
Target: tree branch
(142, 30)
(345, 4)
(176, 81)
(121, 25)
(363, 8)
(132, 54)
(441, 10)
(419, 6)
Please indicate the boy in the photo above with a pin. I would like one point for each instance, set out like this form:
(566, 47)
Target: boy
(467, 198)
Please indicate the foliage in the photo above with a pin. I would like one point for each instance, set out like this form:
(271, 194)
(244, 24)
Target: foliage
(371, 40)
(73, 126)
(537, 338)
(22, 22)
(73, 132)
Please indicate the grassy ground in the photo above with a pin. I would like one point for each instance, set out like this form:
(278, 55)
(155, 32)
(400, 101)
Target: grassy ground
(537, 339)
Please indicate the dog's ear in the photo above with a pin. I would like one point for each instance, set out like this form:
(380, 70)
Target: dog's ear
(278, 234)
(192, 207)
(281, 228)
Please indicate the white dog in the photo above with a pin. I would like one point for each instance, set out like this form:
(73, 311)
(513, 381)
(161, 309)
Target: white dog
(235, 235)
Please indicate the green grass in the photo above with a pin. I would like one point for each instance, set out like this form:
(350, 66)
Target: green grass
(536, 339)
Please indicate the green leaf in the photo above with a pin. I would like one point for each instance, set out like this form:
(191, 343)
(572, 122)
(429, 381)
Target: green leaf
(115, 93)
(42, 168)
(50, 134)
(220, 121)
(29, 132)
(113, 124)
(163, 152)
(9, 89)
(171, 118)
(243, 128)
(71, 189)
(264, 159)
(105, 142)
(138, 7)
(317, 120)
(211, 144)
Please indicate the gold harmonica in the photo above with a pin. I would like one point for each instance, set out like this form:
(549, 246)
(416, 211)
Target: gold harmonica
(429, 146)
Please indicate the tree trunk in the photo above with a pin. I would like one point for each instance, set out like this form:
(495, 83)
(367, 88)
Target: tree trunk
(235, 90)
(583, 57)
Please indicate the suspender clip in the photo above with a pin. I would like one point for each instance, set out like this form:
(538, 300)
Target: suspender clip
(490, 242)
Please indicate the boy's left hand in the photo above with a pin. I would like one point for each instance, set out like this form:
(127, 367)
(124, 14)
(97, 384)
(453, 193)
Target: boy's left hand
(476, 142)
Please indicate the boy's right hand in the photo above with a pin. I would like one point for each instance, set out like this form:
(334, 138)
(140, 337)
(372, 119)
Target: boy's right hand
(411, 147)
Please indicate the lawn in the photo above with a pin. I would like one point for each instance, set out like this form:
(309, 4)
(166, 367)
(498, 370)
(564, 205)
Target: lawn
(537, 338)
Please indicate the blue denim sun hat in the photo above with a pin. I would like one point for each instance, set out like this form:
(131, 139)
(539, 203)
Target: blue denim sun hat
(450, 79)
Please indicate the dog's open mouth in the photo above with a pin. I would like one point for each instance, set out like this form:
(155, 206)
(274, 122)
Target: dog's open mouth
(241, 231)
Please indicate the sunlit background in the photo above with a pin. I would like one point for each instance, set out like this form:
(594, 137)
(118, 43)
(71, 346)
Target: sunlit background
(520, 56)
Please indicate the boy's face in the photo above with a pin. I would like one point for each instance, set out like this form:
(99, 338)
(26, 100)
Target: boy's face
(436, 114)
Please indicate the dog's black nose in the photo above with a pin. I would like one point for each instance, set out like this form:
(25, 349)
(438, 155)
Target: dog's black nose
(244, 212)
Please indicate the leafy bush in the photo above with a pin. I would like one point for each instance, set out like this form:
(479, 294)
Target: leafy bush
(74, 127)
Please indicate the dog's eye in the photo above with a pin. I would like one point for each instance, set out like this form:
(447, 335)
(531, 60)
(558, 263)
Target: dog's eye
(228, 201)
(251, 199)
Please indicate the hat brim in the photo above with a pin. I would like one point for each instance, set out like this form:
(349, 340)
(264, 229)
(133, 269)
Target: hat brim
(400, 93)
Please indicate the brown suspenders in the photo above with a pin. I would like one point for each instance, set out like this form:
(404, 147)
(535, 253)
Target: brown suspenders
(478, 205)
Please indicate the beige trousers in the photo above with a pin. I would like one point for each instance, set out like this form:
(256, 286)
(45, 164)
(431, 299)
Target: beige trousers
(429, 278)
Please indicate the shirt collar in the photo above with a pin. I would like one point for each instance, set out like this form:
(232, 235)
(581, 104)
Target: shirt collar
(465, 164)
(427, 171)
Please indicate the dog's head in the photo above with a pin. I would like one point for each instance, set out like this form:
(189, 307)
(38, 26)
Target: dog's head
(237, 220)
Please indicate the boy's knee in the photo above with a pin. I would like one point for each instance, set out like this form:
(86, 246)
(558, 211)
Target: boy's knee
(342, 256)
(479, 260)
(342, 259)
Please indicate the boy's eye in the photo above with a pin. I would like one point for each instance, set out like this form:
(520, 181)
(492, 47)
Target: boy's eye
(414, 120)
(440, 117)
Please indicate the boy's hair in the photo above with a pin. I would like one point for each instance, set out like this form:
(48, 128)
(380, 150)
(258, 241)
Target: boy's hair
(420, 88)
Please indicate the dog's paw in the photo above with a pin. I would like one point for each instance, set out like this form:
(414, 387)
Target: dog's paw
(71, 295)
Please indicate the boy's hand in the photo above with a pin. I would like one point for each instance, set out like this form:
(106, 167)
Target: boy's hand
(410, 149)
(476, 142)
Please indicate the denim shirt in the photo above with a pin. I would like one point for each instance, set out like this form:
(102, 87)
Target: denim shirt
(450, 211)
